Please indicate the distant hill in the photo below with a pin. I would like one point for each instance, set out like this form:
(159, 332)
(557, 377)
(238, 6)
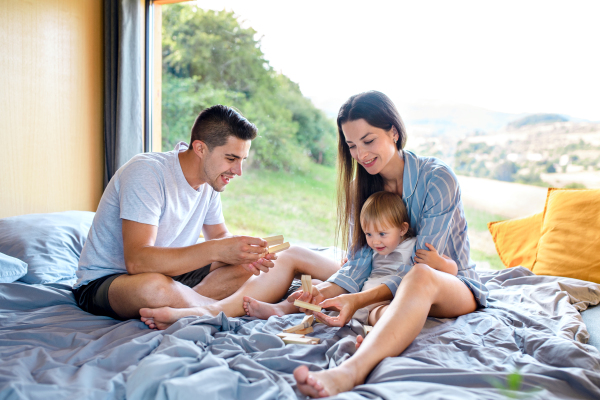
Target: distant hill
(536, 119)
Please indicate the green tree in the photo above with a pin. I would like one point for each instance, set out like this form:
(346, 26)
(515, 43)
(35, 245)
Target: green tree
(209, 58)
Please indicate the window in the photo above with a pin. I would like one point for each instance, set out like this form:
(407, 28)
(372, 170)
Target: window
(504, 107)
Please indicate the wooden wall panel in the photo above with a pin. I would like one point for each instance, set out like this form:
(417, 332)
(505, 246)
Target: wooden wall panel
(51, 111)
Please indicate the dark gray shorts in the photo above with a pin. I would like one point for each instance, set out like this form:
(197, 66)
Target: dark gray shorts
(93, 297)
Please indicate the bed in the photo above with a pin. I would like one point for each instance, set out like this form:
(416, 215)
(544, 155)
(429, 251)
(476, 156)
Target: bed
(531, 342)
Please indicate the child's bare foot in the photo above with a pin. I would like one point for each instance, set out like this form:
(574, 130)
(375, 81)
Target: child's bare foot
(163, 317)
(359, 340)
(324, 383)
(255, 308)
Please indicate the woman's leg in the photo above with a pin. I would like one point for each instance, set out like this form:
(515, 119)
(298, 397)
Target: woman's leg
(266, 287)
(423, 291)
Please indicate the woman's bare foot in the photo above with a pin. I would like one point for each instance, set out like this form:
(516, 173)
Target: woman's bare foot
(324, 383)
(163, 317)
(359, 340)
(259, 309)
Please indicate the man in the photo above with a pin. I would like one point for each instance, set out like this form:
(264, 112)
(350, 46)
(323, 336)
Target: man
(141, 250)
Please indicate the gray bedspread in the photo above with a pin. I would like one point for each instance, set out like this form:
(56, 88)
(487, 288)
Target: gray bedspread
(50, 349)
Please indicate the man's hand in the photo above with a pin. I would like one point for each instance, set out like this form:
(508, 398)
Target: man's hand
(244, 250)
(262, 264)
(346, 304)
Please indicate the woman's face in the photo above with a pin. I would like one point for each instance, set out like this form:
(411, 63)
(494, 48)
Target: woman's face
(371, 147)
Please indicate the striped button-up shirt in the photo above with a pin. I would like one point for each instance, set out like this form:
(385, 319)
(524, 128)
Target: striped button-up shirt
(432, 197)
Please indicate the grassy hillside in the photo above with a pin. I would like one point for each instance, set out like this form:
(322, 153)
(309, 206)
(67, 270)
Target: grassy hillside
(302, 208)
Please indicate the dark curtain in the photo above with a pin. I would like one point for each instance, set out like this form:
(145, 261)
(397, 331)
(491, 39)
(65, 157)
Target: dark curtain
(123, 82)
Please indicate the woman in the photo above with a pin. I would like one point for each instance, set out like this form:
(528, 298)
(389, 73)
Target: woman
(372, 159)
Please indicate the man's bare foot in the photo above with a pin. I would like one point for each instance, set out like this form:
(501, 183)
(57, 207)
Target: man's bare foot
(359, 340)
(149, 322)
(324, 383)
(163, 317)
(259, 309)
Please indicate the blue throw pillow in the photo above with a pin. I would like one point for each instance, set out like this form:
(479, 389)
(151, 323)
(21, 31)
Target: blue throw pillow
(50, 244)
(11, 268)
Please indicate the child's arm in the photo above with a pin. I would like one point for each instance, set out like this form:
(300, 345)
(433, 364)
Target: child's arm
(432, 258)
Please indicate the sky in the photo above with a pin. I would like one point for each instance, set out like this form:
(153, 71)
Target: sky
(507, 56)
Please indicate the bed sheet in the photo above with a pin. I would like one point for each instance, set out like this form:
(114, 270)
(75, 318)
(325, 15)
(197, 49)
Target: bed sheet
(49, 348)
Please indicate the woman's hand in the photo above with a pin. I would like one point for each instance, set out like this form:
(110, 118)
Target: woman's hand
(343, 261)
(346, 304)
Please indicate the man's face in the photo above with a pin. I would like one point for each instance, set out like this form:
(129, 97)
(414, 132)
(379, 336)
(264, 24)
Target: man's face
(224, 162)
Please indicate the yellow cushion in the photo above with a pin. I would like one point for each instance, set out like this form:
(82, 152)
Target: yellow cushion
(516, 239)
(569, 244)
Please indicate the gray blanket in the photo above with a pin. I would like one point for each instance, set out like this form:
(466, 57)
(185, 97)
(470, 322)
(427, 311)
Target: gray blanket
(50, 349)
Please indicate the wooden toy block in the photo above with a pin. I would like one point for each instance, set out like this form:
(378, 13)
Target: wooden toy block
(306, 283)
(367, 329)
(308, 306)
(300, 340)
(304, 331)
(286, 334)
(273, 240)
(306, 323)
(296, 338)
(278, 248)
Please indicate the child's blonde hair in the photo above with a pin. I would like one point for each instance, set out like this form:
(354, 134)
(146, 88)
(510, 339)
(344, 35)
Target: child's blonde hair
(385, 210)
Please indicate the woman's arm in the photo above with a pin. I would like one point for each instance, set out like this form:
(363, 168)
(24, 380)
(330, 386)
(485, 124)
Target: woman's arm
(355, 272)
(348, 304)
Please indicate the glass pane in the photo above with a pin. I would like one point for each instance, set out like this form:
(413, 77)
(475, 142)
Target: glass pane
(500, 106)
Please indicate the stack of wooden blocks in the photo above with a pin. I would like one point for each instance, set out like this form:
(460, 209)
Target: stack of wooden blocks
(295, 334)
(275, 245)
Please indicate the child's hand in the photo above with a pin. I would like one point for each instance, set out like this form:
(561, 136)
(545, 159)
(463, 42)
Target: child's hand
(315, 297)
(430, 257)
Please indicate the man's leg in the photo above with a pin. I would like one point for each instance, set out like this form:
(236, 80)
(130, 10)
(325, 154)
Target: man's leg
(128, 293)
(222, 282)
(266, 287)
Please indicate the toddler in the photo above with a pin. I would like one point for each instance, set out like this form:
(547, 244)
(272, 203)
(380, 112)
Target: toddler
(384, 221)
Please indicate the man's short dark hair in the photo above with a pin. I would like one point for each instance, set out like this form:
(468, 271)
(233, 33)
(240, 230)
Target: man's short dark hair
(215, 124)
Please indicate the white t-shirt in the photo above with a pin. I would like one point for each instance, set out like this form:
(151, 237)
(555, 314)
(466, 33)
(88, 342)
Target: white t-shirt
(150, 189)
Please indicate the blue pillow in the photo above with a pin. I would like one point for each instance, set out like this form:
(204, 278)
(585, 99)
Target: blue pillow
(49, 243)
(11, 268)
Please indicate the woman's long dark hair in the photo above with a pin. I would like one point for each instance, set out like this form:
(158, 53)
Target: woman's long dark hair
(355, 185)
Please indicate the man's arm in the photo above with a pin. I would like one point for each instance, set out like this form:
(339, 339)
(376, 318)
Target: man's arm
(142, 256)
(217, 231)
(220, 231)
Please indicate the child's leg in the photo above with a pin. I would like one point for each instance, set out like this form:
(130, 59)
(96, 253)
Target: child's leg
(376, 314)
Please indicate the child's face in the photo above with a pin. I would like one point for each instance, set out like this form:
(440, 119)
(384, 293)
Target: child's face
(383, 241)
